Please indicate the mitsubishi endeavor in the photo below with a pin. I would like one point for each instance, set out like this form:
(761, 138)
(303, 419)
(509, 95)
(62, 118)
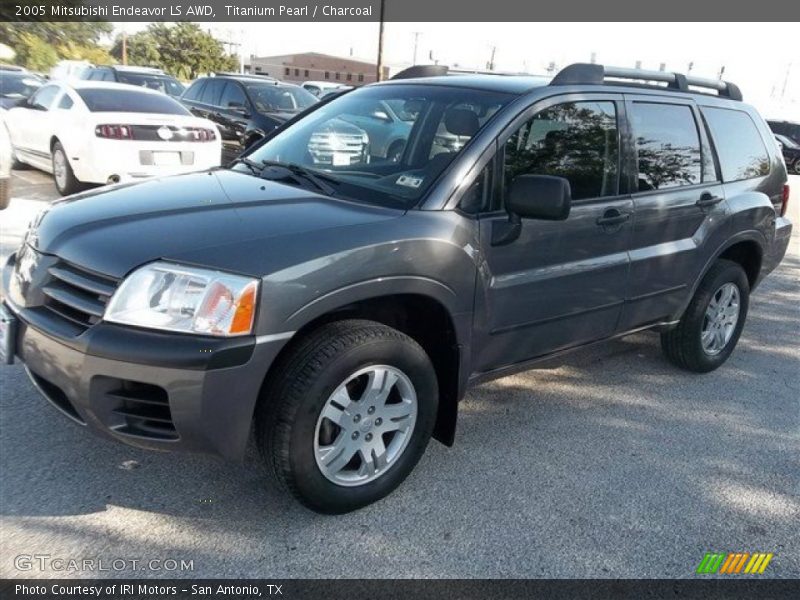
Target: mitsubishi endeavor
(336, 313)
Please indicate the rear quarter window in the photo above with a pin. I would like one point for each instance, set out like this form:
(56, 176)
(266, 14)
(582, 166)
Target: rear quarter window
(112, 100)
(740, 148)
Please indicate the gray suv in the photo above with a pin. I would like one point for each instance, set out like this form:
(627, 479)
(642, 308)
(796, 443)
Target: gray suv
(336, 314)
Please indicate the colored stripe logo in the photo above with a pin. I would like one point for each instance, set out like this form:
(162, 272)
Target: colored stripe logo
(734, 563)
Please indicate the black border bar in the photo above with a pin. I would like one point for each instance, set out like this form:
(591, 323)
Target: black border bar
(404, 10)
(731, 588)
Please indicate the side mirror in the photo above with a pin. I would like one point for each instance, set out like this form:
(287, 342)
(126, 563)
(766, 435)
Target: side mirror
(540, 197)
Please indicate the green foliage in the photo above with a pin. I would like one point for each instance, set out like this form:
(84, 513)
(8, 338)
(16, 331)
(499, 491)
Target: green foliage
(183, 50)
(40, 45)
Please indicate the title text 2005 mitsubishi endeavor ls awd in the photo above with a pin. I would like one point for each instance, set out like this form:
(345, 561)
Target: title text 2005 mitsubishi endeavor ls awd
(339, 307)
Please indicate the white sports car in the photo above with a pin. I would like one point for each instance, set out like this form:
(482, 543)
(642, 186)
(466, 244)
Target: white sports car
(93, 132)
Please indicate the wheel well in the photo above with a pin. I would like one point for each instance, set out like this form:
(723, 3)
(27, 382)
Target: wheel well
(429, 324)
(748, 254)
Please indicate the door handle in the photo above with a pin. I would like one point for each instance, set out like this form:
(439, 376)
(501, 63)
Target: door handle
(707, 200)
(613, 217)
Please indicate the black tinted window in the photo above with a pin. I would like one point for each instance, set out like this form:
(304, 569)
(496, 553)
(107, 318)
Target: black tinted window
(233, 95)
(120, 100)
(194, 91)
(741, 150)
(578, 141)
(667, 144)
(212, 92)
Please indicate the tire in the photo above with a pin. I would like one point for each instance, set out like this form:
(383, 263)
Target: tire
(64, 178)
(293, 435)
(697, 344)
(395, 152)
(796, 167)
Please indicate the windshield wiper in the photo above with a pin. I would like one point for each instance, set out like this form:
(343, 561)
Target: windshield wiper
(255, 167)
(300, 172)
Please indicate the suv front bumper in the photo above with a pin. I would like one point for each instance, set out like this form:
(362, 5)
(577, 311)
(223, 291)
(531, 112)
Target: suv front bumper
(149, 389)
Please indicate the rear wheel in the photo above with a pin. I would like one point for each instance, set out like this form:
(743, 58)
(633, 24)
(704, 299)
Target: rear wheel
(348, 415)
(796, 167)
(66, 182)
(711, 326)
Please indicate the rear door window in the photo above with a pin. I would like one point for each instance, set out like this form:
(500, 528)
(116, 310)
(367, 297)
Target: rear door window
(667, 146)
(741, 150)
(212, 92)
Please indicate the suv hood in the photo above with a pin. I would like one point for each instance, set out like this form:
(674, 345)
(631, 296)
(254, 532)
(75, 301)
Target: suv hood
(114, 230)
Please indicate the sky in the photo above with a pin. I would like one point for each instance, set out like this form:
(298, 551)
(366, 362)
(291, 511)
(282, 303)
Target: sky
(761, 58)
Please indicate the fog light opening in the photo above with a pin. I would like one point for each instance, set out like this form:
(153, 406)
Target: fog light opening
(112, 180)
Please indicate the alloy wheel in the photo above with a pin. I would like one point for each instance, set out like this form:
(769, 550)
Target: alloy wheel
(365, 425)
(720, 319)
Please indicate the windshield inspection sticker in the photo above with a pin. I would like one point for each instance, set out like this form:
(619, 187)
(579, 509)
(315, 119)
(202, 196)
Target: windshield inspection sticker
(409, 181)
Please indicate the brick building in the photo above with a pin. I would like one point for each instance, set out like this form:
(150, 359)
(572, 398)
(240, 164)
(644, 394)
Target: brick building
(314, 66)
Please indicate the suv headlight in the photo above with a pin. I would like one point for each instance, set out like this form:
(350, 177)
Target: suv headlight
(167, 296)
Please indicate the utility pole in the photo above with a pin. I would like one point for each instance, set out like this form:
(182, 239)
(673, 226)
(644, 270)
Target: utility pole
(491, 60)
(785, 83)
(379, 76)
(124, 47)
(416, 42)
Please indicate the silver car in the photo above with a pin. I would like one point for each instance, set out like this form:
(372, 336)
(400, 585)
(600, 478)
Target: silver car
(6, 159)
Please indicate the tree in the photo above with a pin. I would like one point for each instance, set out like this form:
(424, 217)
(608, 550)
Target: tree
(182, 49)
(40, 45)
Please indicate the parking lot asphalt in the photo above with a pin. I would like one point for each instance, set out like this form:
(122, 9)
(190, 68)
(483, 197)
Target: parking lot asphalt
(606, 463)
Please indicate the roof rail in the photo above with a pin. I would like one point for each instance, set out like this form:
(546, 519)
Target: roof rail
(592, 74)
(232, 74)
(418, 71)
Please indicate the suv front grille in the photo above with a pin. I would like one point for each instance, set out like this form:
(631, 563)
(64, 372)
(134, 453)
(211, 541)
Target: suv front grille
(77, 295)
(324, 145)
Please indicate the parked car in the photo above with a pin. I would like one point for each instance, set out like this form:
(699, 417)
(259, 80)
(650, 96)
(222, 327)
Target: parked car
(244, 107)
(787, 128)
(95, 132)
(6, 161)
(69, 70)
(321, 88)
(14, 68)
(153, 79)
(791, 153)
(16, 86)
(341, 313)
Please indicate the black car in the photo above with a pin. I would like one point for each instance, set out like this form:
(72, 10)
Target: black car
(245, 107)
(16, 86)
(154, 79)
(791, 153)
(788, 128)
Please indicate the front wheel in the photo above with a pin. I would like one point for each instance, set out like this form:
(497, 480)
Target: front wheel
(796, 167)
(348, 414)
(711, 326)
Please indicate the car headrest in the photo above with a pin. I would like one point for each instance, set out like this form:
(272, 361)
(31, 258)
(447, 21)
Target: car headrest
(460, 121)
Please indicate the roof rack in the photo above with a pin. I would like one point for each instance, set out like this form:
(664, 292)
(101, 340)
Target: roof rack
(418, 71)
(248, 75)
(593, 74)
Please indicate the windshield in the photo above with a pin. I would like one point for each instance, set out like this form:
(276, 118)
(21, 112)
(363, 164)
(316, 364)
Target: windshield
(789, 143)
(18, 85)
(160, 83)
(269, 97)
(129, 100)
(385, 144)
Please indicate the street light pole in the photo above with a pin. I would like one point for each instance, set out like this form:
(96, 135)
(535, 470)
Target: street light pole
(416, 42)
(379, 76)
